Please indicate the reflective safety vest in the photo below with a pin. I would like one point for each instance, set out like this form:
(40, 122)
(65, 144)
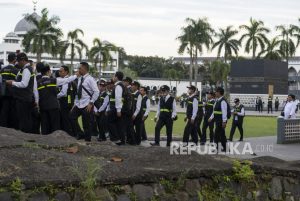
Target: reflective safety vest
(47, 89)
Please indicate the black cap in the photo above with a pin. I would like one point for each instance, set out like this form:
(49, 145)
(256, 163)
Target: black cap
(236, 100)
(22, 56)
(192, 87)
(165, 88)
(127, 79)
(11, 57)
(136, 83)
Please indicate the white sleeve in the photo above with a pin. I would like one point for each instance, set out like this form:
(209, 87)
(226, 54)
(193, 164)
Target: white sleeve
(242, 113)
(138, 105)
(195, 108)
(174, 113)
(158, 110)
(94, 87)
(25, 79)
(63, 92)
(148, 108)
(224, 110)
(62, 81)
(118, 98)
(35, 91)
(293, 109)
(104, 105)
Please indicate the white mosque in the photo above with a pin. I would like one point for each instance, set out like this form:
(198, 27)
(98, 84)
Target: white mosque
(12, 43)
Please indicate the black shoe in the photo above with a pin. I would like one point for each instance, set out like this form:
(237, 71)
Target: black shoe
(223, 150)
(154, 144)
(79, 137)
(120, 143)
(87, 139)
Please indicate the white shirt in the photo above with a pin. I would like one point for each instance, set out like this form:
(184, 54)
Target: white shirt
(91, 85)
(104, 105)
(138, 104)
(118, 96)
(64, 90)
(195, 107)
(223, 108)
(290, 110)
(242, 113)
(174, 113)
(26, 75)
(147, 106)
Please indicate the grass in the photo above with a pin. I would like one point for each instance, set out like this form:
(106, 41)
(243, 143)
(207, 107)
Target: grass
(253, 126)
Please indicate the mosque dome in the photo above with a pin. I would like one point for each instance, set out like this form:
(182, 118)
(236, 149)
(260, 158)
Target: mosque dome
(25, 26)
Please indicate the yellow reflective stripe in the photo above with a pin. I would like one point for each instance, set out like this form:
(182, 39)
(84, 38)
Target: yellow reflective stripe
(14, 75)
(48, 85)
(165, 110)
(200, 105)
(32, 75)
(217, 112)
(69, 99)
(144, 109)
(190, 102)
(101, 97)
(113, 100)
(210, 104)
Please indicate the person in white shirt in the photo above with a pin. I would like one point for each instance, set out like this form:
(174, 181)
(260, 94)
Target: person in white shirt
(290, 107)
(140, 118)
(191, 117)
(166, 114)
(87, 94)
(238, 112)
(220, 117)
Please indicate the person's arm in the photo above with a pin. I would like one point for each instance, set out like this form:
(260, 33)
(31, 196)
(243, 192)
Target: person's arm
(147, 108)
(35, 91)
(158, 110)
(104, 105)
(63, 92)
(25, 79)
(224, 111)
(138, 105)
(195, 109)
(62, 81)
(94, 87)
(174, 113)
(242, 113)
(118, 98)
(293, 110)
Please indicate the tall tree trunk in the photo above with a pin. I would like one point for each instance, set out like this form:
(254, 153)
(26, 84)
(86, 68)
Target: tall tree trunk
(196, 67)
(191, 67)
(72, 56)
(38, 57)
(253, 49)
(99, 66)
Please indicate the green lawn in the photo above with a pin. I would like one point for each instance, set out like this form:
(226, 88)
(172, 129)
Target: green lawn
(253, 126)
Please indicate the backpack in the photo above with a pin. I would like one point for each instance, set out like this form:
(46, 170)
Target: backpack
(228, 110)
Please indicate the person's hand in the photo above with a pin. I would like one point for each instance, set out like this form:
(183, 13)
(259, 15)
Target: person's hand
(209, 120)
(155, 119)
(9, 82)
(89, 107)
(133, 117)
(119, 114)
(224, 125)
(192, 121)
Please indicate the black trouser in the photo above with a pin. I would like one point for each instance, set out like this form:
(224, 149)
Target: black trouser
(130, 132)
(36, 120)
(190, 129)
(220, 135)
(198, 126)
(270, 108)
(65, 119)
(165, 121)
(8, 113)
(24, 113)
(50, 121)
(102, 125)
(205, 125)
(235, 124)
(140, 131)
(116, 126)
(260, 108)
(87, 122)
(256, 107)
(276, 108)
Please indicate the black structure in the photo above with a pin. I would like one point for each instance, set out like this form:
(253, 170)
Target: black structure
(260, 76)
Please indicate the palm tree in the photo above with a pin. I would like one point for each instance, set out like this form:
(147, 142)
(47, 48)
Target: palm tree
(273, 50)
(219, 72)
(195, 36)
(45, 37)
(73, 43)
(287, 45)
(100, 53)
(227, 42)
(255, 35)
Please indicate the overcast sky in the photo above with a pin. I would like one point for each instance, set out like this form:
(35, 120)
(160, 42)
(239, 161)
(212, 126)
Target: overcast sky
(149, 27)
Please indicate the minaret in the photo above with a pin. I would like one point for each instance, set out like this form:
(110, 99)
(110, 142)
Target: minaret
(34, 5)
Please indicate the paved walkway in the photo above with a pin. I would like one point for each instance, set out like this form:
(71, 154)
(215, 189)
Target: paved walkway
(261, 146)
